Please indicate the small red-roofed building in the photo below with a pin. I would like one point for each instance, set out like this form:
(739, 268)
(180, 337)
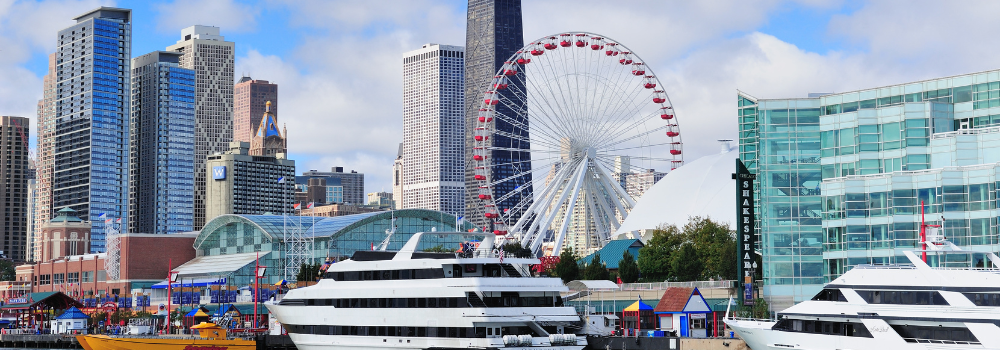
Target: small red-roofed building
(684, 310)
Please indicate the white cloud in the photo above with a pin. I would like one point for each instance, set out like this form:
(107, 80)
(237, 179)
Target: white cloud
(228, 14)
(28, 29)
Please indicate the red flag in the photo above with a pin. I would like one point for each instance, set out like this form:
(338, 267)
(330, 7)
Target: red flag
(296, 206)
(619, 280)
(310, 206)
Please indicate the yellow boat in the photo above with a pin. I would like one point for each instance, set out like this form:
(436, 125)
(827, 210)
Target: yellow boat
(212, 337)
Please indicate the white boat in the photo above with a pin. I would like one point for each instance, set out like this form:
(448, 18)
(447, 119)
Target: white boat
(420, 300)
(946, 298)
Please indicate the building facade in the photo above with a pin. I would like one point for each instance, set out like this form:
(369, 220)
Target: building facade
(434, 129)
(90, 163)
(14, 174)
(161, 193)
(493, 34)
(842, 178)
(268, 140)
(353, 183)
(45, 153)
(207, 52)
(64, 235)
(244, 184)
(250, 99)
(397, 178)
(381, 200)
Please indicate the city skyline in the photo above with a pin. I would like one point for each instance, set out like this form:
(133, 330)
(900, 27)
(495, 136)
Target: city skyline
(703, 51)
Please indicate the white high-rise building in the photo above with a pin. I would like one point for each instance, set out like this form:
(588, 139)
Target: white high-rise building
(212, 58)
(433, 156)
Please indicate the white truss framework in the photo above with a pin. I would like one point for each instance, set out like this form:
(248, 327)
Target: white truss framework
(298, 244)
(112, 241)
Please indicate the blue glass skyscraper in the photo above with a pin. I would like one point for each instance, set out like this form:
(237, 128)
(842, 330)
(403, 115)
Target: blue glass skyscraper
(161, 191)
(91, 127)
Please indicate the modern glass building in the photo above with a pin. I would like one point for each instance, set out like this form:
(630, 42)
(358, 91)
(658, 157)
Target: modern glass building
(161, 151)
(234, 240)
(841, 177)
(91, 122)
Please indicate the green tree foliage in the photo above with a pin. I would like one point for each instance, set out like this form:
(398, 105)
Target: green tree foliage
(685, 264)
(628, 270)
(654, 258)
(440, 248)
(308, 272)
(759, 310)
(6, 270)
(567, 268)
(712, 252)
(515, 249)
(596, 269)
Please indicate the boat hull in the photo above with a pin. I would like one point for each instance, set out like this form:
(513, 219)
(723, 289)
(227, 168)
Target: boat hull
(759, 336)
(103, 342)
(335, 342)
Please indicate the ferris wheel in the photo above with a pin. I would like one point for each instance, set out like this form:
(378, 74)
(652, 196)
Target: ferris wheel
(567, 132)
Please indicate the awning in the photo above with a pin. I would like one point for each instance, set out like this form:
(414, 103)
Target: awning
(592, 285)
(197, 282)
(216, 265)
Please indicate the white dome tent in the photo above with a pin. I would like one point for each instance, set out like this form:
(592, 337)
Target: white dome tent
(704, 187)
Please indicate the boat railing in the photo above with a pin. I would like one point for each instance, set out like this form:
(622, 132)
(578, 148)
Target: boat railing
(750, 319)
(885, 267)
(723, 284)
(939, 341)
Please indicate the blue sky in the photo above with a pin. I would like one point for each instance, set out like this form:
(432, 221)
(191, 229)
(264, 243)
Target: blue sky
(338, 63)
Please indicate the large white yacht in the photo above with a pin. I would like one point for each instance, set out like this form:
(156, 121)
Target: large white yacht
(946, 298)
(421, 300)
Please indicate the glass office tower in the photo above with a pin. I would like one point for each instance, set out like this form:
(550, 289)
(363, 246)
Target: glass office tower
(161, 192)
(842, 176)
(92, 110)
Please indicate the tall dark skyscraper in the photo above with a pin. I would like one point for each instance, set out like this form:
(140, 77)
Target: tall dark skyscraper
(493, 33)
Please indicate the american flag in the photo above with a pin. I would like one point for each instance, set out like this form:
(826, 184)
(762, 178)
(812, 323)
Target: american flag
(501, 254)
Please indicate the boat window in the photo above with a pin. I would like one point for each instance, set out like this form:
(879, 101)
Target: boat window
(902, 297)
(386, 275)
(946, 335)
(848, 329)
(984, 299)
(829, 295)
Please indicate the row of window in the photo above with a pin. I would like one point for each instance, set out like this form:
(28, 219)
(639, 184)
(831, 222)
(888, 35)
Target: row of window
(847, 329)
(386, 275)
(902, 297)
(919, 334)
(402, 331)
(508, 299)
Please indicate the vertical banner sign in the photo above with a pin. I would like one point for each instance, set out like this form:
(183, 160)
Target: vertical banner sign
(745, 229)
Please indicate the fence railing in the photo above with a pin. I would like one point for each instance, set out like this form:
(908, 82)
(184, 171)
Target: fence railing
(724, 284)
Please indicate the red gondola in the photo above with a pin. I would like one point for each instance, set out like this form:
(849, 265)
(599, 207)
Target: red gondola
(537, 52)
(626, 58)
(509, 72)
(485, 116)
(649, 82)
(478, 158)
(564, 42)
(596, 43)
(638, 69)
(675, 148)
(612, 49)
(673, 133)
(659, 97)
(484, 196)
(666, 113)
(480, 177)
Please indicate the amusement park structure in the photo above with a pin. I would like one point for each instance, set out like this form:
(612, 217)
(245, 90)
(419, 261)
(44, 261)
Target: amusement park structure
(590, 111)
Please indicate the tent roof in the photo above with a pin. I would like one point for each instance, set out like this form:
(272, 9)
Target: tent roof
(612, 252)
(592, 285)
(54, 299)
(216, 265)
(72, 313)
(638, 305)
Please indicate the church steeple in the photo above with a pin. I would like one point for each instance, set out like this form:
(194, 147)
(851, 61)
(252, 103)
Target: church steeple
(268, 141)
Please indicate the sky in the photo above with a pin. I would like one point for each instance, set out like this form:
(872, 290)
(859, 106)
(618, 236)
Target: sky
(338, 64)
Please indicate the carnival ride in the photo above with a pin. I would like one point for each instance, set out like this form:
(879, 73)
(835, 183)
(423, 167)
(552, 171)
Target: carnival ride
(560, 130)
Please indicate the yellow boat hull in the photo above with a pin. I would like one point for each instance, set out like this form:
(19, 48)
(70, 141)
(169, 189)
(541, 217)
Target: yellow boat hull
(103, 342)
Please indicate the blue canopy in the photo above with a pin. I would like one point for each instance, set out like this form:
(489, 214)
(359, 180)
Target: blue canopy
(201, 282)
(72, 314)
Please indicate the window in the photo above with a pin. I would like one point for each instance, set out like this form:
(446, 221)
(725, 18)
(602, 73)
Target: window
(902, 297)
(88, 276)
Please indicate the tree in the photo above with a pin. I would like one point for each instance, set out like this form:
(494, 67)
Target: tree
(308, 272)
(7, 270)
(716, 247)
(515, 249)
(440, 248)
(596, 269)
(567, 268)
(654, 258)
(628, 270)
(685, 264)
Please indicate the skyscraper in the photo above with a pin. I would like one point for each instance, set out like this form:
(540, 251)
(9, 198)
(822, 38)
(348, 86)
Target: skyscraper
(14, 174)
(245, 184)
(45, 153)
(212, 58)
(249, 104)
(493, 33)
(161, 193)
(90, 140)
(433, 175)
(353, 183)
